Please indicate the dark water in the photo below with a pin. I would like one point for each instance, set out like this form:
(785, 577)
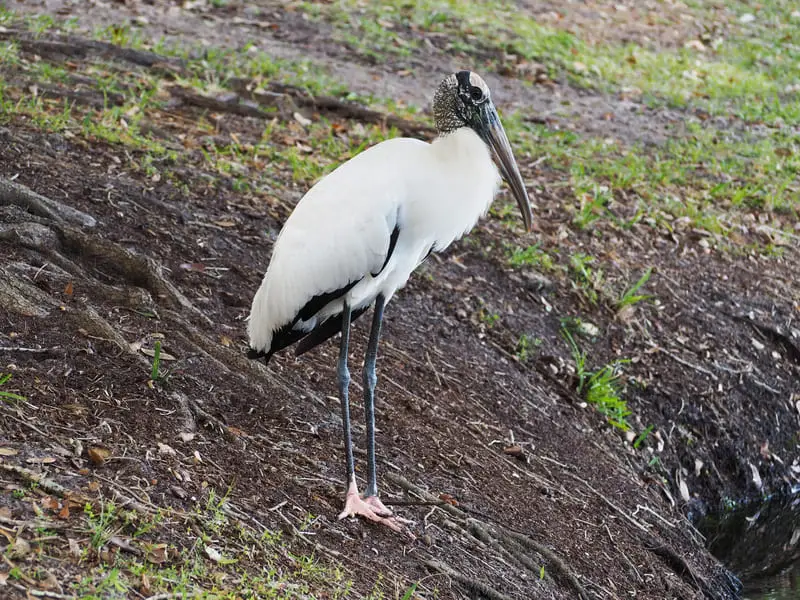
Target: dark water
(760, 542)
(783, 586)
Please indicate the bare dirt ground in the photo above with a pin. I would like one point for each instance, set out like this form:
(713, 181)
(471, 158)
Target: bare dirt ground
(529, 492)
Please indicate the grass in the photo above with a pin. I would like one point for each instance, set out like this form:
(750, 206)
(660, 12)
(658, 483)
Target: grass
(205, 553)
(600, 388)
(7, 396)
(631, 295)
(748, 72)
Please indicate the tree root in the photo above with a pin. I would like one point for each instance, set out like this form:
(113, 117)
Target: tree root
(137, 270)
(473, 586)
(43, 482)
(12, 193)
(329, 104)
(506, 542)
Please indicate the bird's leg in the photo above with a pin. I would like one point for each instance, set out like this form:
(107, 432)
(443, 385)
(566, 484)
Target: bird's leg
(343, 374)
(354, 504)
(370, 379)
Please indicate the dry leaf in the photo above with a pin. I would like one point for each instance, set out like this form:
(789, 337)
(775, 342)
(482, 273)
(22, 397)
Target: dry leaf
(8, 452)
(50, 503)
(93, 486)
(166, 449)
(213, 553)
(19, 549)
(448, 499)
(756, 476)
(157, 553)
(68, 289)
(3, 578)
(49, 582)
(5, 512)
(98, 455)
(64, 512)
(74, 548)
(515, 451)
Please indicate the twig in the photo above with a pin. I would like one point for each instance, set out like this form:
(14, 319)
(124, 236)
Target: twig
(31, 350)
(40, 593)
(686, 363)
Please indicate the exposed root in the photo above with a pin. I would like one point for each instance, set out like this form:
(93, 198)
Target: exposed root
(232, 103)
(43, 482)
(331, 105)
(132, 268)
(16, 194)
(679, 565)
(502, 540)
(473, 586)
(23, 298)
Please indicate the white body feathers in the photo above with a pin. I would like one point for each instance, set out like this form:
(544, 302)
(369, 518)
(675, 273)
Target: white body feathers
(340, 230)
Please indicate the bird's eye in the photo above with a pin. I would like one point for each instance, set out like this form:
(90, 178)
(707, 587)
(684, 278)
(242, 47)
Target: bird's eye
(476, 94)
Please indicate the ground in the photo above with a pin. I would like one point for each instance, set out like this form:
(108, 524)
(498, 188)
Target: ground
(555, 409)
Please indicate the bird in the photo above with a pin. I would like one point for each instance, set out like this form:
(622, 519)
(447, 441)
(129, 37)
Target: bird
(358, 234)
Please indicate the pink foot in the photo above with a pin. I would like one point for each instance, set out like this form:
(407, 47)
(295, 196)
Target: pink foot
(371, 508)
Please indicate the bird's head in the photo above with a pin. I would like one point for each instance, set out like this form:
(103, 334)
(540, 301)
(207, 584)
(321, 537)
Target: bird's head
(463, 100)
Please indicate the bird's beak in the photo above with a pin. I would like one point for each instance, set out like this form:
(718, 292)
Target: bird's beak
(494, 134)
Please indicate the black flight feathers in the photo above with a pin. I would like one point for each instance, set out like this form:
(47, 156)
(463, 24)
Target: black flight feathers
(287, 335)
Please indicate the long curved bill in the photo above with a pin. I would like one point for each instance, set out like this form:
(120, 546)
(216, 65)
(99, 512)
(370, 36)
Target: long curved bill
(495, 135)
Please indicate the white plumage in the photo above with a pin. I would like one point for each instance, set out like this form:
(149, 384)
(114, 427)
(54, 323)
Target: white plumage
(340, 230)
(358, 234)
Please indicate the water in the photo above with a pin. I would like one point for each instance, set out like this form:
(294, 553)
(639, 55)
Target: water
(782, 586)
(760, 542)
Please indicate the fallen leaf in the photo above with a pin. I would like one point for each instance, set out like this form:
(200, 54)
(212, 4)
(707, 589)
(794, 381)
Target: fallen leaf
(68, 289)
(93, 486)
(166, 449)
(448, 499)
(304, 121)
(50, 503)
(74, 548)
(3, 576)
(157, 553)
(49, 582)
(213, 553)
(195, 266)
(162, 355)
(8, 452)
(5, 512)
(64, 512)
(756, 476)
(19, 549)
(515, 451)
(98, 455)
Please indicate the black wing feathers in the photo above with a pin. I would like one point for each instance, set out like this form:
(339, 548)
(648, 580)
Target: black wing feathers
(287, 335)
(392, 243)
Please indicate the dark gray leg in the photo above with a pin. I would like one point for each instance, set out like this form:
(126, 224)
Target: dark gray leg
(344, 383)
(370, 379)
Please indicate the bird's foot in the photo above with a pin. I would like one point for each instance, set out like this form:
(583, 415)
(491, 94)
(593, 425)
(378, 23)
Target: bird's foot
(375, 503)
(373, 509)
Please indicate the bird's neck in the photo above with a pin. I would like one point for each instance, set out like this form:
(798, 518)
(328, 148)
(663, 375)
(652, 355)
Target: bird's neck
(467, 181)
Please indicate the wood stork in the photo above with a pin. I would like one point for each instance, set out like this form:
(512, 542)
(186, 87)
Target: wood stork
(359, 233)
